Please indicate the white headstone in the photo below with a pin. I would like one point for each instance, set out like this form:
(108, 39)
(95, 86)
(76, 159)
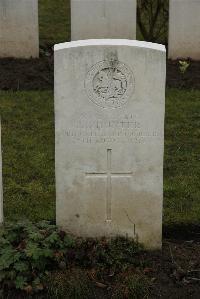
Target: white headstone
(109, 118)
(184, 29)
(19, 35)
(103, 19)
(1, 184)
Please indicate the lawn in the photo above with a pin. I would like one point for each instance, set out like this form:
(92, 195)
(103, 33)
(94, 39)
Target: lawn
(54, 21)
(181, 165)
(28, 156)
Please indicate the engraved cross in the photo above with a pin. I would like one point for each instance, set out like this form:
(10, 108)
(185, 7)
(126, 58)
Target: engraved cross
(108, 174)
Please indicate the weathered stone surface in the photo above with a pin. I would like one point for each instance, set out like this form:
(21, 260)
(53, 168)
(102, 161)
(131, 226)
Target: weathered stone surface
(103, 19)
(1, 184)
(109, 127)
(19, 35)
(184, 29)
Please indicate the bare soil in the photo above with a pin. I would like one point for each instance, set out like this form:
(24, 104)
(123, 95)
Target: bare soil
(190, 79)
(176, 270)
(26, 74)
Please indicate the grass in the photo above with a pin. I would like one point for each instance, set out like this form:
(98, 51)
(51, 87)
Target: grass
(76, 284)
(181, 170)
(54, 21)
(28, 156)
(73, 283)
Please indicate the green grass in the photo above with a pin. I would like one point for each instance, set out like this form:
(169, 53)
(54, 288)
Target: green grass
(28, 156)
(181, 170)
(54, 21)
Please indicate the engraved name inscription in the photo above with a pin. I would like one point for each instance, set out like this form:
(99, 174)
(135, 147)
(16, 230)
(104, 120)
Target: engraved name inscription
(124, 130)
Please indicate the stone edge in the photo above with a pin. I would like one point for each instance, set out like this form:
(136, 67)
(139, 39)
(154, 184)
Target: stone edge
(110, 42)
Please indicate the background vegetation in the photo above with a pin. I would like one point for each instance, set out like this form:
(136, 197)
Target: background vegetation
(28, 134)
(28, 155)
(152, 17)
(36, 256)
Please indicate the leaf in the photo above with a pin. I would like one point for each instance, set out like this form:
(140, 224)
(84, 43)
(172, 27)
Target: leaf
(53, 238)
(35, 236)
(37, 285)
(12, 237)
(21, 266)
(2, 276)
(100, 285)
(20, 282)
(68, 241)
(4, 242)
(32, 250)
(22, 245)
(8, 257)
(46, 225)
(11, 275)
(47, 252)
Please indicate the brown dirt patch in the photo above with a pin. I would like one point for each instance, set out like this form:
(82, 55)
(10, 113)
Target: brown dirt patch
(190, 79)
(176, 270)
(173, 272)
(26, 74)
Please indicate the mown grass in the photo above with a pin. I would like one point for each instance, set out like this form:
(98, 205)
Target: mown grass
(54, 21)
(182, 159)
(28, 156)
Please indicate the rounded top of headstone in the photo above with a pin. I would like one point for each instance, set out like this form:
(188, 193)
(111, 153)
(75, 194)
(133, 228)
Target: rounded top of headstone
(110, 42)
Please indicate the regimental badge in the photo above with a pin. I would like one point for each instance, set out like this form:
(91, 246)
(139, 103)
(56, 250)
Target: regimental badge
(110, 84)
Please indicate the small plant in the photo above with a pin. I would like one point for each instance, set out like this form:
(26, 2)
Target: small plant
(183, 66)
(30, 254)
(28, 251)
(114, 253)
